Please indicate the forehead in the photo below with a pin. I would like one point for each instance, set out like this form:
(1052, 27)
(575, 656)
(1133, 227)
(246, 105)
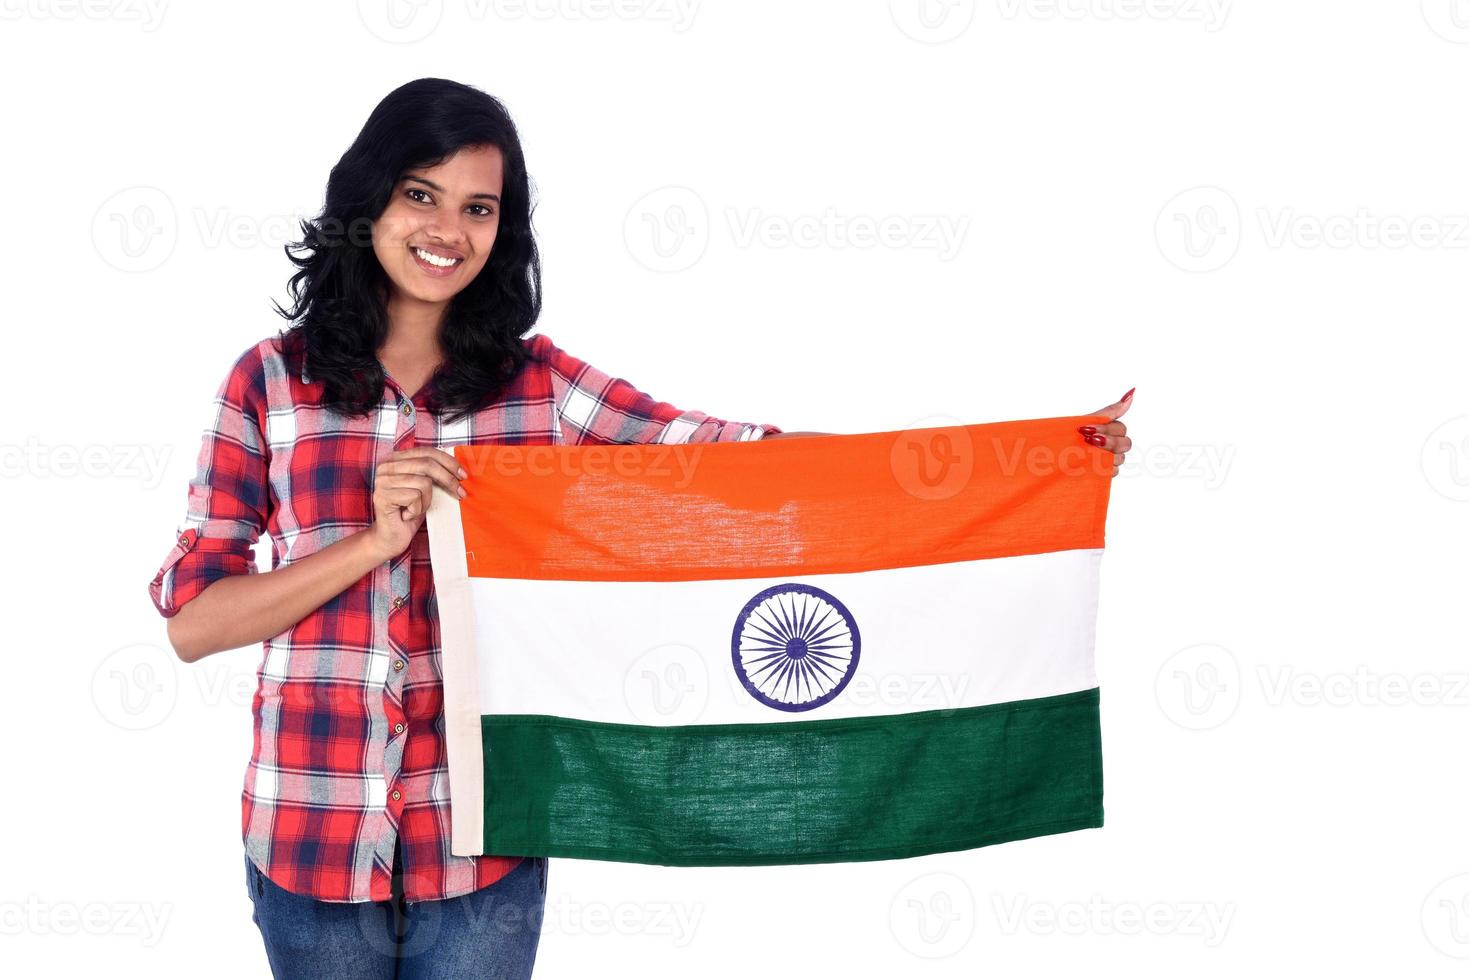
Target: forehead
(471, 169)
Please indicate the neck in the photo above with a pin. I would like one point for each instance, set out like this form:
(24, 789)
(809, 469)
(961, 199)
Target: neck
(413, 329)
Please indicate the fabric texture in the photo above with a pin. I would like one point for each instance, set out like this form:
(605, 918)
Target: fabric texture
(333, 781)
(838, 648)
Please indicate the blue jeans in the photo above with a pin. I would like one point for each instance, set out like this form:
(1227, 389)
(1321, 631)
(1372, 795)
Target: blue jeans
(488, 933)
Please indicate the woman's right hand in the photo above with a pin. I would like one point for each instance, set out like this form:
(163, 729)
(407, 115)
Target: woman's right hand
(402, 487)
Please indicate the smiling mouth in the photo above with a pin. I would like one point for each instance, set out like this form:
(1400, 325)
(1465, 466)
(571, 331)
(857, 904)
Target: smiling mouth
(434, 262)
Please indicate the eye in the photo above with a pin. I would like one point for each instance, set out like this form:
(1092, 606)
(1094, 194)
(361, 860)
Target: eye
(485, 210)
(418, 190)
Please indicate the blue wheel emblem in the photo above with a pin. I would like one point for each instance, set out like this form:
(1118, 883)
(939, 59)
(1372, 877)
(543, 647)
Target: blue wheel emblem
(795, 647)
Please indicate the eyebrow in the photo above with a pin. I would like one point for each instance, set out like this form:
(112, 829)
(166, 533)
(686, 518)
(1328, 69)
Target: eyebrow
(473, 197)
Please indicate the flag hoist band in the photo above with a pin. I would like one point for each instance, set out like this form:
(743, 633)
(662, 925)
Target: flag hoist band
(831, 648)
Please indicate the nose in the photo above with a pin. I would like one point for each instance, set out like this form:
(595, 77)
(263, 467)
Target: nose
(446, 229)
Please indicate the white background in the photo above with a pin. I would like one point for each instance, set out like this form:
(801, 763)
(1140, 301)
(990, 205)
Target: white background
(1281, 642)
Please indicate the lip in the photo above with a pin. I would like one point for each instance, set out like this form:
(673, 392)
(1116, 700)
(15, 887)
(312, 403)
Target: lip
(433, 270)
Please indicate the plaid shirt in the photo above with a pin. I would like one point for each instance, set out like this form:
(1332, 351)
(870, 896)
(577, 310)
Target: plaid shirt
(348, 710)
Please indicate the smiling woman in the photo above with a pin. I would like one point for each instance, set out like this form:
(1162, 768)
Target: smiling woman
(417, 287)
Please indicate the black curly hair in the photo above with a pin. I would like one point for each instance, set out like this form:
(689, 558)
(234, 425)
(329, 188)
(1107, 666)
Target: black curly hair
(338, 311)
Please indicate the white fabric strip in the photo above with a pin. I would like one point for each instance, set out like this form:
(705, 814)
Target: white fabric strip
(463, 739)
(948, 635)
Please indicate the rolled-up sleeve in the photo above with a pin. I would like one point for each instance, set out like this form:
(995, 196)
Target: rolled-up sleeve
(595, 408)
(228, 497)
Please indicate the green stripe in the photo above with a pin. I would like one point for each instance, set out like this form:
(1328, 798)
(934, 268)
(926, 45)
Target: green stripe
(847, 789)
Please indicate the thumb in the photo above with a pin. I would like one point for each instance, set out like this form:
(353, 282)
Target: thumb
(1118, 408)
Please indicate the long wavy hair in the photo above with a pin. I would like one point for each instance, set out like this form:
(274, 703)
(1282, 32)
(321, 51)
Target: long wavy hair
(339, 292)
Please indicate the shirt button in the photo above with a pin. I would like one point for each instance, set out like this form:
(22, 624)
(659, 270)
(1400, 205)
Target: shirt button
(398, 727)
(397, 665)
(407, 408)
(397, 795)
(398, 601)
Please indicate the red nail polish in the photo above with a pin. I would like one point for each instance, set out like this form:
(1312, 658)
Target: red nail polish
(1129, 394)
(1097, 440)
(1087, 430)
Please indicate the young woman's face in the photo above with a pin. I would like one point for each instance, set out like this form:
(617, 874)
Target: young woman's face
(440, 223)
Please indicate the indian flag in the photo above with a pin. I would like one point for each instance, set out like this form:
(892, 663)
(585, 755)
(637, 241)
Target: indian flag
(831, 648)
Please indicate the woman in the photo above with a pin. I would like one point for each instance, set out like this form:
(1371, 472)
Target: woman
(415, 287)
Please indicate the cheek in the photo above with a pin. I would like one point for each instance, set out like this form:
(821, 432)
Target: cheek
(391, 229)
(484, 244)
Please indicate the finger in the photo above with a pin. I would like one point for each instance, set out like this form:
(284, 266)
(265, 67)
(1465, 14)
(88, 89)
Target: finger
(1116, 444)
(1105, 428)
(407, 500)
(430, 468)
(433, 455)
(1118, 408)
(403, 488)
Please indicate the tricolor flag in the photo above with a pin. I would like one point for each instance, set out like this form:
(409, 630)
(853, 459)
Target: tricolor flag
(831, 648)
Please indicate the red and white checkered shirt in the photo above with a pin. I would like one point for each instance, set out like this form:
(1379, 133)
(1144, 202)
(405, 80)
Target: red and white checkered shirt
(348, 711)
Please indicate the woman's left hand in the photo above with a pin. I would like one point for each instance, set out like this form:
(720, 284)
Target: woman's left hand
(1111, 435)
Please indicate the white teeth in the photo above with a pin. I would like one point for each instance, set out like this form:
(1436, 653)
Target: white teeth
(433, 259)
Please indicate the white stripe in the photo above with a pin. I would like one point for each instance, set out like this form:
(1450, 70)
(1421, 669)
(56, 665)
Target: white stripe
(955, 634)
(462, 736)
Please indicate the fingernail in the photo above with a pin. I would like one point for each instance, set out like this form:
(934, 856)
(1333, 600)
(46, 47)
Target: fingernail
(462, 473)
(1096, 440)
(1129, 394)
(1087, 430)
(463, 493)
